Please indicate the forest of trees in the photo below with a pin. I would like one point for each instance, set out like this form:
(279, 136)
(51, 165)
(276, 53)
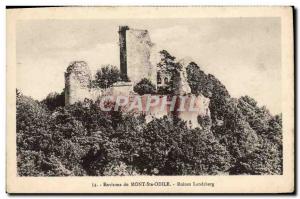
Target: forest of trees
(80, 139)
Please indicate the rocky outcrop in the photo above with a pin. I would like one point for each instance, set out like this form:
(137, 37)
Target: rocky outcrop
(182, 86)
(198, 108)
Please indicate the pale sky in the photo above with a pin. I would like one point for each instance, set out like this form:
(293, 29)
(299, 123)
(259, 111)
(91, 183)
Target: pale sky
(243, 53)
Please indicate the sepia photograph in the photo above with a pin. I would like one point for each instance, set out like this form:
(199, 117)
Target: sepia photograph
(140, 100)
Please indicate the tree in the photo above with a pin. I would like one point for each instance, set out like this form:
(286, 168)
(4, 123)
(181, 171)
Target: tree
(81, 139)
(250, 133)
(145, 86)
(172, 149)
(32, 128)
(106, 76)
(32, 122)
(169, 68)
(54, 100)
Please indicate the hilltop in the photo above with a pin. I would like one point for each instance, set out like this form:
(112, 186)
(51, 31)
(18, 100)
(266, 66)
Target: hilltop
(79, 139)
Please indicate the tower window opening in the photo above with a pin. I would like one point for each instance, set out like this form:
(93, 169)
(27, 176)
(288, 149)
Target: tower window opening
(158, 78)
(166, 80)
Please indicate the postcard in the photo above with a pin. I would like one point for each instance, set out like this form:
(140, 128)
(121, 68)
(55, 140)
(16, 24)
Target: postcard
(150, 100)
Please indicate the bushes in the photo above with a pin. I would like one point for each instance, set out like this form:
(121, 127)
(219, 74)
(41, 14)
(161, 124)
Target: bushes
(250, 133)
(106, 76)
(172, 149)
(54, 100)
(56, 140)
(170, 68)
(80, 139)
(145, 86)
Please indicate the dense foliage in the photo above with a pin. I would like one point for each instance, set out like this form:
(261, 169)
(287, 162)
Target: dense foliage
(169, 67)
(251, 135)
(106, 76)
(145, 86)
(80, 139)
(54, 100)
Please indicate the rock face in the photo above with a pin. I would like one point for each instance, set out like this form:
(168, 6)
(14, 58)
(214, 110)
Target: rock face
(191, 114)
(182, 86)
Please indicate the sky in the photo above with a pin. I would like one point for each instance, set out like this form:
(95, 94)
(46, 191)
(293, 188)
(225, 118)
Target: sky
(243, 53)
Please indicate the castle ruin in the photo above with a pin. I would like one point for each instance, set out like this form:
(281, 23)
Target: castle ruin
(136, 50)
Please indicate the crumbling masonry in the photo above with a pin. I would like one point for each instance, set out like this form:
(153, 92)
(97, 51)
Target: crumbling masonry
(135, 55)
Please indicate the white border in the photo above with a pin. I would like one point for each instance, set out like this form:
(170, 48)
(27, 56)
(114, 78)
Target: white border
(4, 3)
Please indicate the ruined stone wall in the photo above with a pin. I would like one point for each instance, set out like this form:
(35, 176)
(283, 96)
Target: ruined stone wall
(123, 53)
(182, 110)
(78, 85)
(77, 82)
(189, 109)
(138, 47)
(96, 93)
(117, 89)
(122, 89)
(135, 61)
(201, 104)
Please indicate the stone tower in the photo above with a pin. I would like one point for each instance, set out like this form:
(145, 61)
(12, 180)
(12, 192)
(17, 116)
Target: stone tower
(123, 55)
(77, 82)
(135, 52)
